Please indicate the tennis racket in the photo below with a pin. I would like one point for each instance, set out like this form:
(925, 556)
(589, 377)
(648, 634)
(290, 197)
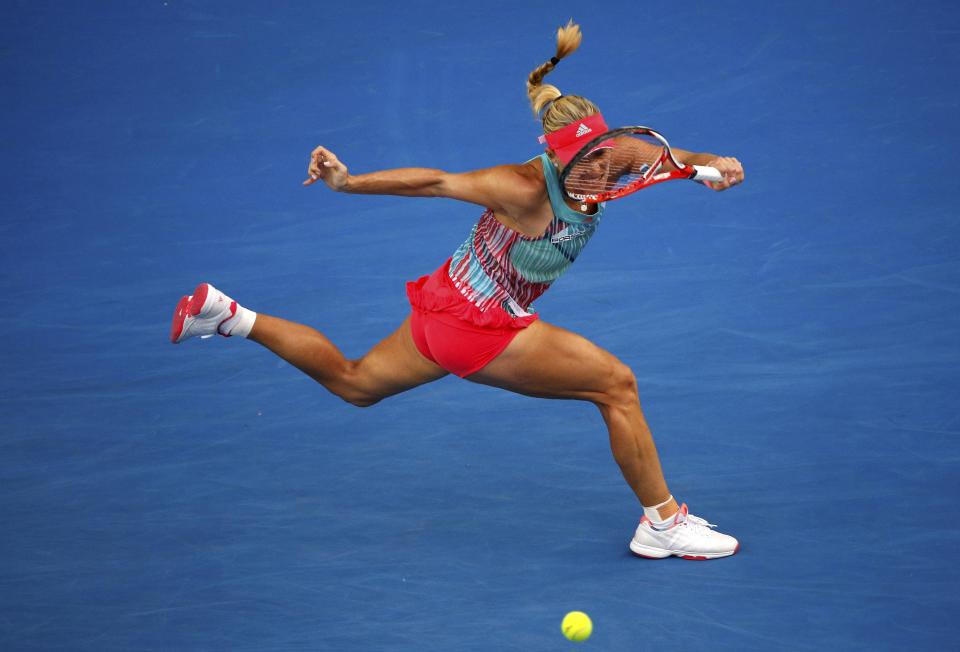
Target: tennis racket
(622, 161)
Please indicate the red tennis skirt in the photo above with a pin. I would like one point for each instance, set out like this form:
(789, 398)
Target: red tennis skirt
(452, 332)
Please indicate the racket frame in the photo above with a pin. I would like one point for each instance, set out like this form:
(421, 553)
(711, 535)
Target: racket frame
(649, 178)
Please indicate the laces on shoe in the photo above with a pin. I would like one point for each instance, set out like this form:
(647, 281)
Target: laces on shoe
(696, 520)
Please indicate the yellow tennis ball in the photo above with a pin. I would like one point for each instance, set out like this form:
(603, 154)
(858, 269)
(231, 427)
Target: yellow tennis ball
(577, 626)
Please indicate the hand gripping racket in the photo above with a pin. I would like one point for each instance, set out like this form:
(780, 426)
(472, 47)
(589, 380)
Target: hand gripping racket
(622, 161)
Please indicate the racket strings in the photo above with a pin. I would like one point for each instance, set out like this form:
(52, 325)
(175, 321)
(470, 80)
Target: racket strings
(613, 165)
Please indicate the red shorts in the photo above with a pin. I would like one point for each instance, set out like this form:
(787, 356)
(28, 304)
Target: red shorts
(452, 332)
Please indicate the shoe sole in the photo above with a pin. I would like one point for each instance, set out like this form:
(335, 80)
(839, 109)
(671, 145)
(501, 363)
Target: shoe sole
(179, 316)
(187, 306)
(659, 553)
(199, 298)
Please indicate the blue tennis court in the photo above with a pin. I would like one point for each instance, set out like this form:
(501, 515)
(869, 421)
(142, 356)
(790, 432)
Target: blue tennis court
(795, 339)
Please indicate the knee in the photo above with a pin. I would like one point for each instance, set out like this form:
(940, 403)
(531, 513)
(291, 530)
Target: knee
(360, 400)
(352, 388)
(358, 397)
(621, 390)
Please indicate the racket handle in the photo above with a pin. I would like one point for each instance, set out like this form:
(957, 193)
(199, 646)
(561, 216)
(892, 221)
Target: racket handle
(704, 173)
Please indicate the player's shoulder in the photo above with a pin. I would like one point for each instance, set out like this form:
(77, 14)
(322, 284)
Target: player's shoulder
(526, 179)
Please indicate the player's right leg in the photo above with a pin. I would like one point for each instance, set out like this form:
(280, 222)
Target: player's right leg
(392, 366)
(551, 362)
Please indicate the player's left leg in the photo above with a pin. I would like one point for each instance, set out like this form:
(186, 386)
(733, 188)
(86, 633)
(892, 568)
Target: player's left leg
(392, 366)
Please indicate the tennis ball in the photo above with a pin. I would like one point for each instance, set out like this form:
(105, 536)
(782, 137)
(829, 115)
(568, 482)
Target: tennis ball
(576, 626)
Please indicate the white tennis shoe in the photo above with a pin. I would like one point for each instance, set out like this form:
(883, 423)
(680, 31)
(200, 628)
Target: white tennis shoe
(202, 314)
(688, 536)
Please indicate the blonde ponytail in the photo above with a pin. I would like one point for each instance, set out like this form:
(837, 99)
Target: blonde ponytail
(562, 109)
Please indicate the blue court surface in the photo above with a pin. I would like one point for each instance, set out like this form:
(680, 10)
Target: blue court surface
(795, 339)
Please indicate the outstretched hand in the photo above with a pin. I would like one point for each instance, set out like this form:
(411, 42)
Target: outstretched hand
(731, 170)
(325, 165)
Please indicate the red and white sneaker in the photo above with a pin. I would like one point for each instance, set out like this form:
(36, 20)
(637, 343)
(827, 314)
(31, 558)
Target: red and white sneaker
(688, 536)
(202, 314)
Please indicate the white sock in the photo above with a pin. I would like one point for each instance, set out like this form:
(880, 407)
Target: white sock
(653, 513)
(240, 324)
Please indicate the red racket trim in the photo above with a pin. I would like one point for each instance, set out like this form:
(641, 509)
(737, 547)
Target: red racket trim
(652, 177)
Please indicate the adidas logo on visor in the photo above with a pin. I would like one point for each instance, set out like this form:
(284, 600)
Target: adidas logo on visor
(583, 129)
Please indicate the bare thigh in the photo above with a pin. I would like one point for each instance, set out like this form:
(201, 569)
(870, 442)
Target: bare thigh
(394, 365)
(551, 362)
(390, 367)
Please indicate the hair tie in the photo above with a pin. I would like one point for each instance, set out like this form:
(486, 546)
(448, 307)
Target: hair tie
(549, 103)
(554, 60)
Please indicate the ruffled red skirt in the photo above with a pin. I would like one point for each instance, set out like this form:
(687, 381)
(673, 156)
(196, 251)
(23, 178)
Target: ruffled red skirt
(454, 333)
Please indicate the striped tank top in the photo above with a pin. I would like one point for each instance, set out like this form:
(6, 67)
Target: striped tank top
(498, 266)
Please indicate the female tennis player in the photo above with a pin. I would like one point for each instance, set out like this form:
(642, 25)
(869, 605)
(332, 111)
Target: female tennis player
(473, 316)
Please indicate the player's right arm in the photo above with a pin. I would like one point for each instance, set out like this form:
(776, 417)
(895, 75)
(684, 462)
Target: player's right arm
(504, 188)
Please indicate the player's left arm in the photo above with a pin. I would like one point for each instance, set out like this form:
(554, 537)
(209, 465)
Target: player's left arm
(729, 167)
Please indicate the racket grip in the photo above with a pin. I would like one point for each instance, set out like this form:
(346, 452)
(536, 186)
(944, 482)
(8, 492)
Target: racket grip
(704, 173)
